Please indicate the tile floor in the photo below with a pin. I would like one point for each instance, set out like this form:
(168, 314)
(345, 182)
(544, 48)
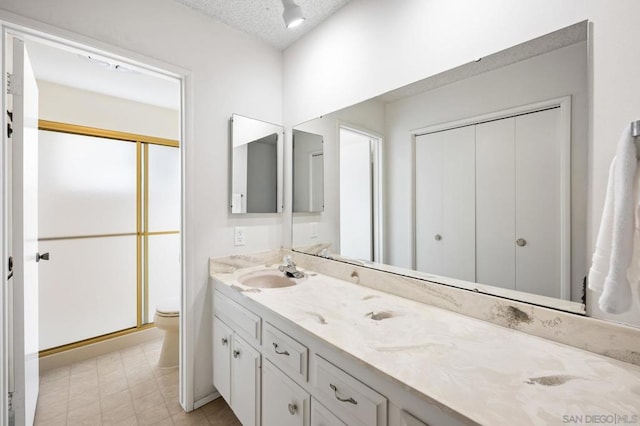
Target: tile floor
(121, 388)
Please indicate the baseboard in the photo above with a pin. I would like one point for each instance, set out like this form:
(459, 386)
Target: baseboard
(207, 399)
(62, 359)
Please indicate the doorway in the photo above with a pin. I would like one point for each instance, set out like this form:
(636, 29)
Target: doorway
(146, 154)
(360, 217)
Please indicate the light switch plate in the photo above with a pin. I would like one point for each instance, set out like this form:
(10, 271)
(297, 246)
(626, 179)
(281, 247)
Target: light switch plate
(314, 229)
(240, 235)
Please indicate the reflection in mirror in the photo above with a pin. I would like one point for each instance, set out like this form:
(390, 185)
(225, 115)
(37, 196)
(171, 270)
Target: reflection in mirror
(484, 169)
(308, 172)
(255, 165)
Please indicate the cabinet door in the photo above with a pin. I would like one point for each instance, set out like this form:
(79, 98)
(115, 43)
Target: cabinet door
(245, 382)
(407, 419)
(284, 403)
(445, 203)
(222, 338)
(495, 203)
(321, 416)
(539, 203)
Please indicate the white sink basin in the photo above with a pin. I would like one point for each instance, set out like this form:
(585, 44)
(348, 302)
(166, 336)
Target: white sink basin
(269, 278)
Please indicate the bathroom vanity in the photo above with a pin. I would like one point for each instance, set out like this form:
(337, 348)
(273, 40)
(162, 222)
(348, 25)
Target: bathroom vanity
(326, 351)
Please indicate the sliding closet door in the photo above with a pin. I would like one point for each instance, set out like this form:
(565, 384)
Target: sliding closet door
(495, 203)
(162, 237)
(458, 204)
(538, 203)
(429, 203)
(445, 203)
(87, 196)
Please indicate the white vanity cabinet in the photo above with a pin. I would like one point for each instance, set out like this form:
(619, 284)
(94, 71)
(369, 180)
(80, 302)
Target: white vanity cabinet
(245, 382)
(320, 416)
(236, 364)
(284, 403)
(407, 419)
(285, 352)
(351, 400)
(272, 374)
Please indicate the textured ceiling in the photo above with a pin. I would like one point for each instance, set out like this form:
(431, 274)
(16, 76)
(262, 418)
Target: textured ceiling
(263, 18)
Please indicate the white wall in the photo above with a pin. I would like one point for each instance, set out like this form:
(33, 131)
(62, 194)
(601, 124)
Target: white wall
(84, 108)
(229, 73)
(372, 46)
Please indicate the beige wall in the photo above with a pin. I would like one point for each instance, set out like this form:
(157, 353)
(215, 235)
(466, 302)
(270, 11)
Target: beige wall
(75, 106)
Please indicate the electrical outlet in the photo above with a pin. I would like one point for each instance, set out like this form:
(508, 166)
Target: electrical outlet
(240, 235)
(314, 229)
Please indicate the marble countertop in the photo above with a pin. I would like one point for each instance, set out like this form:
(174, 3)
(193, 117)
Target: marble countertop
(487, 373)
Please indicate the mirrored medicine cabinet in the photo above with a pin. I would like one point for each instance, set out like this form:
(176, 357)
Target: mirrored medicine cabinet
(256, 166)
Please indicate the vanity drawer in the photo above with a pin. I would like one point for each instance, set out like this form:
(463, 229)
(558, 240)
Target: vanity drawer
(320, 416)
(351, 400)
(241, 320)
(285, 352)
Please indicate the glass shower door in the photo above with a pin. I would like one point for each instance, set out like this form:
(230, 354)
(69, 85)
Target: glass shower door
(88, 199)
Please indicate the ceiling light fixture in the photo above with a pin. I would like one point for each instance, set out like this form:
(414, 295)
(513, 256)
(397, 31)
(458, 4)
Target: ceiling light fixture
(292, 14)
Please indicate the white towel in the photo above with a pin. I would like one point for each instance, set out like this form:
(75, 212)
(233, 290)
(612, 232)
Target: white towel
(634, 269)
(616, 294)
(602, 253)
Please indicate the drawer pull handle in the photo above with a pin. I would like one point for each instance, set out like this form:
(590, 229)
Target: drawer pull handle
(335, 392)
(275, 348)
(292, 409)
(224, 341)
(236, 353)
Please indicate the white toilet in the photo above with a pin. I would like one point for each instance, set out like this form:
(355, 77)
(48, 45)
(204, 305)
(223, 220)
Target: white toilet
(167, 318)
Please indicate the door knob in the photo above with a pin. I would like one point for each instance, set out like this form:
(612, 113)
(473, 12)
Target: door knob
(43, 256)
(438, 237)
(292, 409)
(521, 242)
(236, 353)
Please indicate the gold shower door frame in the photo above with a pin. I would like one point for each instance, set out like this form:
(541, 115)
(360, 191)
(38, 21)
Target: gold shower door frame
(142, 222)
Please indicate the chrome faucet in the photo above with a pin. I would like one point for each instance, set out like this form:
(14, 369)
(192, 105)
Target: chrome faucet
(289, 268)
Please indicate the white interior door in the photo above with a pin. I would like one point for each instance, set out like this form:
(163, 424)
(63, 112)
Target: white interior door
(445, 203)
(429, 203)
(24, 303)
(495, 203)
(538, 203)
(458, 204)
(356, 195)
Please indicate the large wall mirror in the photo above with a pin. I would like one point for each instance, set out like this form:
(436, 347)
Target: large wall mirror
(256, 168)
(475, 177)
